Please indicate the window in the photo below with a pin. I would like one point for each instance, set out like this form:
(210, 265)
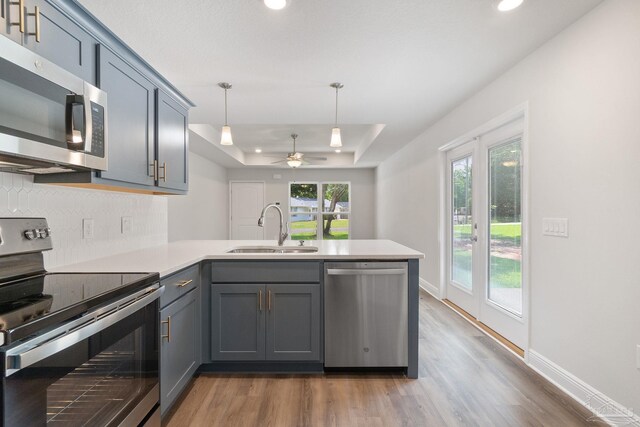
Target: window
(319, 210)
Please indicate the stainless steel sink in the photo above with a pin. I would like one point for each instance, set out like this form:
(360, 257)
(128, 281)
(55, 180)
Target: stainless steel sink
(273, 250)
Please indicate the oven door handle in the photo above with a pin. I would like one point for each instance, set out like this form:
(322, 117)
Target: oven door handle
(59, 339)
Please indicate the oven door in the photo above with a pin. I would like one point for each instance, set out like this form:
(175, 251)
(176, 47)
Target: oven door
(98, 370)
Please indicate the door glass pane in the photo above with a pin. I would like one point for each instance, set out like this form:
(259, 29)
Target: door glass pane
(336, 197)
(335, 226)
(303, 226)
(505, 227)
(461, 221)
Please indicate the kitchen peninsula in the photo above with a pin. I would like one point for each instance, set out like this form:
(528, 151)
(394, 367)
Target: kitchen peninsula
(254, 306)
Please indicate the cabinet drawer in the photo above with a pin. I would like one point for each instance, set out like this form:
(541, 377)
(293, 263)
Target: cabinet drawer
(265, 272)
(179, 284)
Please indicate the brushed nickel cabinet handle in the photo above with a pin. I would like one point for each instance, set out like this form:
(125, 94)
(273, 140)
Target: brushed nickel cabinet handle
(20, 23)
(154, 170)
(269, 300)
(36, 14)
(168, 323)
(184, 283)
(164, 172)
(260, 300)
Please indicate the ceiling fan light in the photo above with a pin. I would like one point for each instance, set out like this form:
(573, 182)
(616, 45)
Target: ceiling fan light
(507, 5)
(226, 139)
(275, 4)
(336, 140)
(294, 163)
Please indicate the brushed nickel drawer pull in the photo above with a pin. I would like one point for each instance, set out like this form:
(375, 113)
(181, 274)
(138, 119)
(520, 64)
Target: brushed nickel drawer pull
(168, 323)
(184, 283)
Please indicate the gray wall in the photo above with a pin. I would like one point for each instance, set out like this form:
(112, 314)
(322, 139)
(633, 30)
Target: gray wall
(583, 90)
(203, 212)
(362, 193)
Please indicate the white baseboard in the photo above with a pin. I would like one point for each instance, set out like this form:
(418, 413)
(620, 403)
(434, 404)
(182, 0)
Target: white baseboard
(432, 289)
(605, 408)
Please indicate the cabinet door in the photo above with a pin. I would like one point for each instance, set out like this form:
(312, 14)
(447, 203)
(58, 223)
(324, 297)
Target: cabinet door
(173, 146)
(61, 40)
(130, 120)
(10, 13)
(237, 322)
(293, 322)
(179, 346)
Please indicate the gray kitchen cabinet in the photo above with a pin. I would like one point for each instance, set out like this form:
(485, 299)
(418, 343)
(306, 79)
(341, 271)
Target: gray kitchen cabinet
(293, 322)
(179, 350)
(180, 332)
(61, 40)
(237, 322)
(10, 13)
(172, 151)
(130, 120)
(276, 322)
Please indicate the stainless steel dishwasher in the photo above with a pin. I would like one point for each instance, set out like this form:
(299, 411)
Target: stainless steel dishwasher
(365, 314)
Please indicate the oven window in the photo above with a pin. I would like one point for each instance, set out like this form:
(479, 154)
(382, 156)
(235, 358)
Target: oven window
(95, 382)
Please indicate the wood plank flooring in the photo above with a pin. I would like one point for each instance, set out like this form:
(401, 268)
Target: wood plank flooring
(466, 379)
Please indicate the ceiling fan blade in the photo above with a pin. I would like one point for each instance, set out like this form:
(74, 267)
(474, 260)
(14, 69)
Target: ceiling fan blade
(279, 161)
(316, 158)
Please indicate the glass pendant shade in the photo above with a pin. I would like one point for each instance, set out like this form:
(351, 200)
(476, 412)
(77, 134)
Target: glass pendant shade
(226, 136)
(336, 140)
(294, 163)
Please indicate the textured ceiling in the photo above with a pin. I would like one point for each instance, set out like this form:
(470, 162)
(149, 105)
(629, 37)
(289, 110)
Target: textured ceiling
(403, 63)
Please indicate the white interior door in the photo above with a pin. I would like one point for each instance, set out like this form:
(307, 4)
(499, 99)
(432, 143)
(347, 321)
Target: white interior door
(247, 201)
(486, 248)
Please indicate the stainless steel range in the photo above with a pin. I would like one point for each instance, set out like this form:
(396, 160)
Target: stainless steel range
(75, 349)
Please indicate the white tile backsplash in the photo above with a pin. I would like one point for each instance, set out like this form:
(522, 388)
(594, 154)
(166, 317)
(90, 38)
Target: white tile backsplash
(65, 208)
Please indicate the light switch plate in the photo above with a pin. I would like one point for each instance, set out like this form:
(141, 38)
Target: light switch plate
(557, 227)
(126, 224)
(87, 228)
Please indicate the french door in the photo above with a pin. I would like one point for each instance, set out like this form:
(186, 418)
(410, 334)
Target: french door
(485, 249)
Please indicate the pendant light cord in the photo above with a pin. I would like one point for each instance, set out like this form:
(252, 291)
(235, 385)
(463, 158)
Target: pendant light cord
(225, 107)
(336, 106)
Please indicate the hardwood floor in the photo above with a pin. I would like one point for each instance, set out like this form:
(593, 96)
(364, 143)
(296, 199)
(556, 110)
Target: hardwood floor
(466, 379)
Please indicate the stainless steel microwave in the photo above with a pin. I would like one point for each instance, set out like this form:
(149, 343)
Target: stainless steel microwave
(51, 121)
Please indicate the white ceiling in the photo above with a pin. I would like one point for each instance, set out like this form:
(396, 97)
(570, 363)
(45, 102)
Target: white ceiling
(404, 63)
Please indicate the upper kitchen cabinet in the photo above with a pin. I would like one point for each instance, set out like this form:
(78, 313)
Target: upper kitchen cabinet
(130, 120)
(11, 20)
(173, 146)
(52, 35)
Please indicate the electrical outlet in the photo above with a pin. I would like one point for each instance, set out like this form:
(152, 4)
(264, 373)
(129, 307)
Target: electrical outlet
(126, 223)
(87, 228)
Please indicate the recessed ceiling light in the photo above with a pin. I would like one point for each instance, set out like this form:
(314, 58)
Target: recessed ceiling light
(258, 150)
(338, 151)
(275, 4)
(506, 5)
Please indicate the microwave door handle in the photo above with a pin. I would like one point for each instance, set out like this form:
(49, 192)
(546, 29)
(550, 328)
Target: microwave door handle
(76, 135)
(28, 357)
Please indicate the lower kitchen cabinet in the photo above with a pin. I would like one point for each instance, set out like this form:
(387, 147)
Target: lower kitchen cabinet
(277, 322)
(180, 351)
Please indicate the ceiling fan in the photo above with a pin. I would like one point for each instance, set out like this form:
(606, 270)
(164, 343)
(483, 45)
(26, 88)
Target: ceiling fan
(295, 159)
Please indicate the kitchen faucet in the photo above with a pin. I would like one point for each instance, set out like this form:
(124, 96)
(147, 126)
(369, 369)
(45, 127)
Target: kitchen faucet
(283, 234)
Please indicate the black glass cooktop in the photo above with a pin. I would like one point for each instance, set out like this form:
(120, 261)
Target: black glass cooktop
(30, 305)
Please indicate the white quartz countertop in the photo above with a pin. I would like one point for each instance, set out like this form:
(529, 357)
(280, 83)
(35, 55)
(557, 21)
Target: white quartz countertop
(169, 258)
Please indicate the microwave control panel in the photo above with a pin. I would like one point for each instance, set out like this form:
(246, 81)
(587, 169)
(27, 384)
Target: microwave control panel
(97, 126)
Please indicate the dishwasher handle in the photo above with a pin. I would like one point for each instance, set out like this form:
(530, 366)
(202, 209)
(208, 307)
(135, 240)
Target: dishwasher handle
(365, 271)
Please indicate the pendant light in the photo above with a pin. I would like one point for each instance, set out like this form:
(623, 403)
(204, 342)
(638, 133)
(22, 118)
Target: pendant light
(336, 140)
(225, 139)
